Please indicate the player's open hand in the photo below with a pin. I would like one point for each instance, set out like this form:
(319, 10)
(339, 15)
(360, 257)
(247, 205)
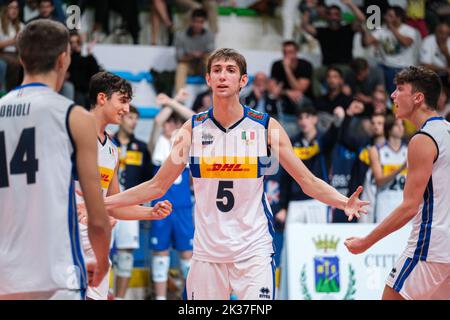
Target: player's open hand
(162, 209)
(354, 206)
(356, 245)
(96, 272)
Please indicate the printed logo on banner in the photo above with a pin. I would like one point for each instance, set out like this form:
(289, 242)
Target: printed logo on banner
(327, 271)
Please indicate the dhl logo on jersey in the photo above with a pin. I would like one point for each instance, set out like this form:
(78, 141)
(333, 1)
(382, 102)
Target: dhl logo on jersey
(306, 153)
(389, 168)
(229, 167)
(106, 175)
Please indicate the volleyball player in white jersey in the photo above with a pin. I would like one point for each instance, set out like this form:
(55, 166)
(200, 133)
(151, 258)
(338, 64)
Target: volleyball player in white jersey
(41, 134)
(370, 187)
(388, 165)
(110, 98)
(228, 147)
(423, 271)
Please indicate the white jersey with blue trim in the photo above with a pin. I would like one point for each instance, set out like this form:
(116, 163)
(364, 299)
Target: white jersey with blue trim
(40, 250)
(233, 220)
(108, 158)
(430, 236)
(390, 195)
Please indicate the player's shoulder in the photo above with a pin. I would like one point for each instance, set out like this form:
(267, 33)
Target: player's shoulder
(256, 116)
(200, 118)
(110, 139)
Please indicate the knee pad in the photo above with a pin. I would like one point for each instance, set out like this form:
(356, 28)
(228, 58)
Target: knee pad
(160, 268)
(185, 264)
(124, 263)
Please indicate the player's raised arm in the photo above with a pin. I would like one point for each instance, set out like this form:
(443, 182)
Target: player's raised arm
(314, 187)
(421, 154)
(82, 129)
(164, 178)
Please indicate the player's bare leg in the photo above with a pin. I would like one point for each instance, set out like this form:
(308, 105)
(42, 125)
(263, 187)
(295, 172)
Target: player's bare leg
(391, 294)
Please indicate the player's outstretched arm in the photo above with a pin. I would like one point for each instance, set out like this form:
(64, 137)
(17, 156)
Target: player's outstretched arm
(314, 187)
(164, 178)
(82, 129)
(421, 154)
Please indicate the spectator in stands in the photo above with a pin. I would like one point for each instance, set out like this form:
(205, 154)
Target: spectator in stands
(9, 28)
(336, 40)
(363, 80)
(315, 12)
(290, 17)
(159, 12)
(192, 48)
(82, 68)
(361, 173)
(134, 168)
(380, 102)
(210, 6)
(30, 10)
(312, 148)
(388, 164)
(294, 76)
(443, 106)
(415, 16)
(396, 44)
(101, 18)
(176, 231)
(259, 97)
(202, 102)
(128, 10)
(47, 11)
(435, 54)
(335, 96)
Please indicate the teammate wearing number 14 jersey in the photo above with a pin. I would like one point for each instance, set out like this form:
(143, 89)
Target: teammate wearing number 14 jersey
(44, 140)
(228, 148)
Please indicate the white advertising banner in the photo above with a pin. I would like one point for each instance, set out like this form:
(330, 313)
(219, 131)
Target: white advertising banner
(318, 266)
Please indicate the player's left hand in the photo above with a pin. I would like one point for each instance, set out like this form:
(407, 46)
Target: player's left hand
(357, 245)
(162, 209)
(354, 206)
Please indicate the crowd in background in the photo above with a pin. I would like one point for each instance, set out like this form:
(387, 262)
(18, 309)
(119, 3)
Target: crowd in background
(339, 115)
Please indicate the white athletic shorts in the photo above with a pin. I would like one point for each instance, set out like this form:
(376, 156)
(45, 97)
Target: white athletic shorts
(100, 292)
(126, 234)
(252, 279)
(307, 211)
(420, 280)
(45, 295)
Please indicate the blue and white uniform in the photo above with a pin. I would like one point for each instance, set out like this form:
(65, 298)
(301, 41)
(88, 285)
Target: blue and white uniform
(107, 161)
(390, 195)
(233, 239)
(40, 252)
(423, 271)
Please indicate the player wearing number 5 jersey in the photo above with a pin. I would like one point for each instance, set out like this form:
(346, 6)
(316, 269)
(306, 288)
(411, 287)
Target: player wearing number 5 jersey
(388, 164)
(228, 148)
(44, 140)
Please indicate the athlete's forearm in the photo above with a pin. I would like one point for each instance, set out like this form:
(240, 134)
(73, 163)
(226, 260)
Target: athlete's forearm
(396, 220)
(325, 193)
(139, 194)
(132, 213)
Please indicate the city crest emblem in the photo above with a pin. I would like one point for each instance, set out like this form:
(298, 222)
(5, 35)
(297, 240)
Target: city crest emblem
(327, 272)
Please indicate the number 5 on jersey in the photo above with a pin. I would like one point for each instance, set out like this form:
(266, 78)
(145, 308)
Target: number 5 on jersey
(225, 198)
